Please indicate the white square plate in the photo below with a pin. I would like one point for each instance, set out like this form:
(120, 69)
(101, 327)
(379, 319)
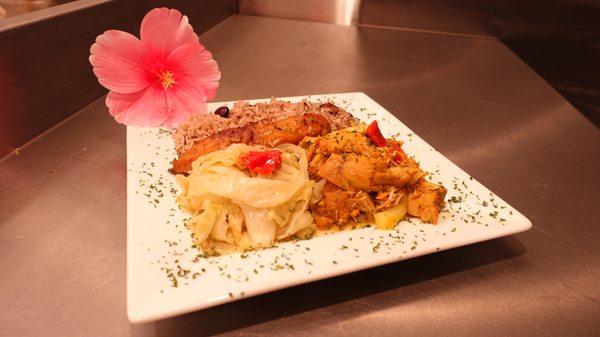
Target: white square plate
(166, 277)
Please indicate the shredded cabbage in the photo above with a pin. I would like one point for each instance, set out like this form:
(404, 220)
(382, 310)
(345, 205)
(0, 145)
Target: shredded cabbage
(241, 210)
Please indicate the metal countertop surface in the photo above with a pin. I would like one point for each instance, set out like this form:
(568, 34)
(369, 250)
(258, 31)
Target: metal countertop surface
(63, 201)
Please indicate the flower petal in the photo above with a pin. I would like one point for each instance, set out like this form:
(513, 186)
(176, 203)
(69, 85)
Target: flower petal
(165, 29)
(144, 108)
(184, 100)
(117, 58)
(193, 65)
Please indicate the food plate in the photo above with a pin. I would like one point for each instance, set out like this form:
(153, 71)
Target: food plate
(166, 276)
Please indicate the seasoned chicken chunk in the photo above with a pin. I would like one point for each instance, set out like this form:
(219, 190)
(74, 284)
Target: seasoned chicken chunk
(334, 207)
(406, 172)
(426, 200)
(338, 206)
(348, 160)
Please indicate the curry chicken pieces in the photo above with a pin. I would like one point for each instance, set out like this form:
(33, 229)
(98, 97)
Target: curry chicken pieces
(364, 174)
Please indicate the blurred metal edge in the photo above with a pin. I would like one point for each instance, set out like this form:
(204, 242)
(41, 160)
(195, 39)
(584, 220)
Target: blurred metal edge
(47, 13)
(341, 12)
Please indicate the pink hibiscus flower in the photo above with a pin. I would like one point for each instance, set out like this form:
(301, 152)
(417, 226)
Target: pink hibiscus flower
(161, 79)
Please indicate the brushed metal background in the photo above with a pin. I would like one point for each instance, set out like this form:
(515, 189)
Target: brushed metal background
(63, 207)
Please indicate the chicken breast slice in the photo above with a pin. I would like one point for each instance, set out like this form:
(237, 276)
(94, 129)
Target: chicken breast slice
(426, 201)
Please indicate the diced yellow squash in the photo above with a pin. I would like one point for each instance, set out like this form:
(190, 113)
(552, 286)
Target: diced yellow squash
(388, 218)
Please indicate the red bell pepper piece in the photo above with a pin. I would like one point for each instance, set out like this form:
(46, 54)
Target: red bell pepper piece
(377, 138)
(261, 162)
(375, 135)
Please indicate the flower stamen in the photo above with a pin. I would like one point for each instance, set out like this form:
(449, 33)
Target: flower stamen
(167, 79)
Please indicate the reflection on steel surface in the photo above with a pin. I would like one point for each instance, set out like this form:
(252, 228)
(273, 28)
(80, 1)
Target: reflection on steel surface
(342, 12)
(16, 7)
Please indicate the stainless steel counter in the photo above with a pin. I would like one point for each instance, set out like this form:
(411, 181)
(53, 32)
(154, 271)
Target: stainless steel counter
(62, 199)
